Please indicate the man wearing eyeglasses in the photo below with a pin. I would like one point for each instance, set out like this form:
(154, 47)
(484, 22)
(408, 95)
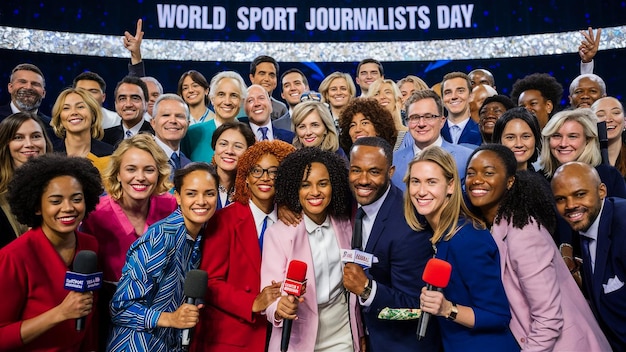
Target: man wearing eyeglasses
(131, 95)
(425, 119)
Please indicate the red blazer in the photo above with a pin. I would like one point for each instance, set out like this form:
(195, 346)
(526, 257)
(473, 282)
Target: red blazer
(31, 284)
(232, 257)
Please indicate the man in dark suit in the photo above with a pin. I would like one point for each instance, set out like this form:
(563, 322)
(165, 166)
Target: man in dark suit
(456, 92)
(258, 109)
(170, 123)
(264, 72)
(395, 280)
(131, 95)
(293, 84)
(599, 223)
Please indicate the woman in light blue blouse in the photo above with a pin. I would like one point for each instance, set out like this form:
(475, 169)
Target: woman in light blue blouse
(148, 310)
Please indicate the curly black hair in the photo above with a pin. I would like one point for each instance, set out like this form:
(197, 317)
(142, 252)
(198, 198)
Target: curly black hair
(31, 179)
(298, 164)
(380, 117)
(524, 201)
(549, 87)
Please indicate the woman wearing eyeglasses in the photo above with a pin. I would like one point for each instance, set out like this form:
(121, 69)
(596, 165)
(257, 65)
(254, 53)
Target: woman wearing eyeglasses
(232, 248)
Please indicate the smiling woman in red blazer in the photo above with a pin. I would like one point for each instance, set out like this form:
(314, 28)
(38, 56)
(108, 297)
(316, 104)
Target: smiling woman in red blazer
(232, 321)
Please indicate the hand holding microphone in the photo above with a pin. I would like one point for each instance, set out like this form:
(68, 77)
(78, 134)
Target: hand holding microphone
(194, 288)
(294, 286)
(436, 275)
(81, 282)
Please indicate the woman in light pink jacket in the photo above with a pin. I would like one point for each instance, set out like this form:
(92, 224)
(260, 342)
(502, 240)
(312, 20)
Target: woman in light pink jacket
(314, 182)
(549, 313)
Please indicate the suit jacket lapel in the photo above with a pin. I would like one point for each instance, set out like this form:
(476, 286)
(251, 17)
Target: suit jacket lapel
(246, 234)
(602, 248)
(381, 219)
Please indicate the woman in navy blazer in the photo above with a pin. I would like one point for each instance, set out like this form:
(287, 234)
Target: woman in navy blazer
(473, 311)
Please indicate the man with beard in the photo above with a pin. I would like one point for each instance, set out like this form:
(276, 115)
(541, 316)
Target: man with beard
(27, 89)
(395, 280)
(599, 221)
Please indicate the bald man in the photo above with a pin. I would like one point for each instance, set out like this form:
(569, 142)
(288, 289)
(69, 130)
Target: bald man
(479, 94)
(600, 223)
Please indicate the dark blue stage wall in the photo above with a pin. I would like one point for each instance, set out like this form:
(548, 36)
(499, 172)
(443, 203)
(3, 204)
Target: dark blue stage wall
(281, 21)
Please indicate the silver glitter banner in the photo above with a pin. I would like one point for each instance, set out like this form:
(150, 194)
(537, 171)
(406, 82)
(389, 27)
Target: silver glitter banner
(13, 38)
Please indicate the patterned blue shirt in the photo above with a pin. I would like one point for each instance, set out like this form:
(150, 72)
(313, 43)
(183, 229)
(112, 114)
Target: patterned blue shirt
(152, 283)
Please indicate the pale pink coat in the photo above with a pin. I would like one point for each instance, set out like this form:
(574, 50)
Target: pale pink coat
(549, 312)
(281, 244)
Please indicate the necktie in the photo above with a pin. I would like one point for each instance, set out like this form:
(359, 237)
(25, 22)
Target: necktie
(128, 134)
(587, 270)
(262, 233)
(357, 235)
(455, 132)
(175, 161)
(263, 133)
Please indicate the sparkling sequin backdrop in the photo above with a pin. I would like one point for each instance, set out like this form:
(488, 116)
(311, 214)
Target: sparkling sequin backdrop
(428, 39)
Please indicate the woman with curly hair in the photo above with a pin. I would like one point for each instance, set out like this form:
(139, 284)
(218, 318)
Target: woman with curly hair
(337, 90)
(77, 120)
(540, 94)
(231, 254)
(52, 194)
(365, 117)
(229, 141)
(549, 312)
(22, 137)
(315, 127)
(315, 183)
(472, 311)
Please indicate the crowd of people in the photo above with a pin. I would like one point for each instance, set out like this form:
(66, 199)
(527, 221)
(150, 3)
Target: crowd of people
(522, 197)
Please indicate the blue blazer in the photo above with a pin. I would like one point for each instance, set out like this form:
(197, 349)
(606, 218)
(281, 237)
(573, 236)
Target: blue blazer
(283, 135)
(470, 134)
(609, 306)
(475, 282)
(284, 122)
(402, 255)
(402, 158)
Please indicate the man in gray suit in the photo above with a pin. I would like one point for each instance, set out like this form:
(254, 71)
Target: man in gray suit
(170, 123)
(425, 118)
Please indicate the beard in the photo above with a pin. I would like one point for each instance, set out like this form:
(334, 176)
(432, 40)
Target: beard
(27, 99)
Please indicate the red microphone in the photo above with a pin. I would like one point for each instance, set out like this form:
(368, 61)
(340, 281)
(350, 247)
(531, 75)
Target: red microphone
(436, 275)
(293, 285)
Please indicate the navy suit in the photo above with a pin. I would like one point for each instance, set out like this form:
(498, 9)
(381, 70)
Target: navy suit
(283, 135)
(114, 135)
(402, 255)
(609, 305)
(402, 158)
(470, 134)
(284, 122)
(475, 282)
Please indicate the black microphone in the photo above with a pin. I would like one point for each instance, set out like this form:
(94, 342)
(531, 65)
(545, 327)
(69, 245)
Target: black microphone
(604, 142)
(194, 288)
(436, 275)
(293, 285)
(84, 278)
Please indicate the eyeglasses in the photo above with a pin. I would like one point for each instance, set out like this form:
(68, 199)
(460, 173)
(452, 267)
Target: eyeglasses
(428, 118)
(257, 172)
(310, 96)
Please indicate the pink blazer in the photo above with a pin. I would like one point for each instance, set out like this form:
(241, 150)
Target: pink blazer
(281, 244)
(549, 312)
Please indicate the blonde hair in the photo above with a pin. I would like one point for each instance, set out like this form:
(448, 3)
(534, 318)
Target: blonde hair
(591, 153)
(325, 85)
(453, 209)
(303, 110)
(146, 143)
(418, 83)
(97, 131)
(375, 88)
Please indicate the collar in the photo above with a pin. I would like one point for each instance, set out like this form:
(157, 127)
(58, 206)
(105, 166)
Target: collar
(259, 215)
(438, 142)
(15, 110)
(255, 127)
(135, 129)
(592, 232)
(372, 209)
(168, 151)
(310, 225)
(461, 124)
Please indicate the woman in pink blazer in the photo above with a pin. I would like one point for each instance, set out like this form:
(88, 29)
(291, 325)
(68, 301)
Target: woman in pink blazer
(313, 182)
(549, 313)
